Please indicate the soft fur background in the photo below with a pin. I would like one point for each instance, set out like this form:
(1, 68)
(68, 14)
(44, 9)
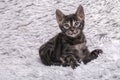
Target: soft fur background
(27, 24)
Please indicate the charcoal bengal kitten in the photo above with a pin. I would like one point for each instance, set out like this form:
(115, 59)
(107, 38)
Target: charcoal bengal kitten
(68, 48)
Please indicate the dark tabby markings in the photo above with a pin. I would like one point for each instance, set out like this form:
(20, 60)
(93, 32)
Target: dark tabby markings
(68, 48)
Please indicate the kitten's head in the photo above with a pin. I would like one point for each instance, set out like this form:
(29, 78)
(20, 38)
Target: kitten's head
(71, 25)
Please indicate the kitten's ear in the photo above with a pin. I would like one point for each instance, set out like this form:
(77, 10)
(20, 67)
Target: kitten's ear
(80, 13)
(59, 16)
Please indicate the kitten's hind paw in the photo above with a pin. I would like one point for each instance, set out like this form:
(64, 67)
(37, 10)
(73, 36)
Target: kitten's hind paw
(93, 55)
(96, 52)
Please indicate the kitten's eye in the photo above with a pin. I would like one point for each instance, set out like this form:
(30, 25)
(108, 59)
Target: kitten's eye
(66, 26)
(77, 24)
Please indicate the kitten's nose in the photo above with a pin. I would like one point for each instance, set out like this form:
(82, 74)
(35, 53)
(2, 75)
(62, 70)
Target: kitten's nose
(72, 29)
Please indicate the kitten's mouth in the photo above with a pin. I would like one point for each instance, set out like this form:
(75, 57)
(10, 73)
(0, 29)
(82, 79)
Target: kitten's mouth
(73, 33)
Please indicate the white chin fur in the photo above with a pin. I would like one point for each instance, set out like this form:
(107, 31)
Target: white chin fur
(73, 34)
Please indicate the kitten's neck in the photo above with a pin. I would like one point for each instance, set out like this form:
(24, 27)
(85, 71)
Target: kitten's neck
(79, 39)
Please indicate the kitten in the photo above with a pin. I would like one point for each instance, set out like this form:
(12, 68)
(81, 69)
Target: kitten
(68, 48)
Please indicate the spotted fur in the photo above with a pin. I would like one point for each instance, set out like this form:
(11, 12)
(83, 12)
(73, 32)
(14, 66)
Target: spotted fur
(68, 48)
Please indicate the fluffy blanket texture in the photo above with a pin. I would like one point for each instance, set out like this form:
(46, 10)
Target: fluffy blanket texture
(27, 24)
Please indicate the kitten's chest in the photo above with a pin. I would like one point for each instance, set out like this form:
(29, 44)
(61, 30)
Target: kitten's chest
(76, 48)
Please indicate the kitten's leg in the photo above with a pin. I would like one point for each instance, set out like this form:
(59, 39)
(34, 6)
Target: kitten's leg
(73, 62)
(93, 55)
(69, 60)
(44, 54)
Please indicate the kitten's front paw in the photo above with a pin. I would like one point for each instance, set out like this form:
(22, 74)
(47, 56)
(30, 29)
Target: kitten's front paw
(69, 60)
(74, 65)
